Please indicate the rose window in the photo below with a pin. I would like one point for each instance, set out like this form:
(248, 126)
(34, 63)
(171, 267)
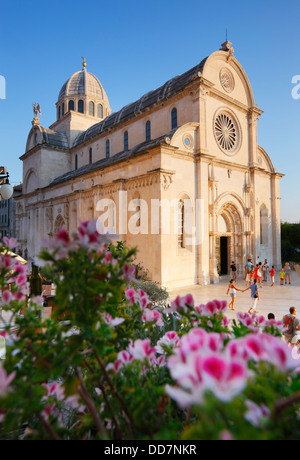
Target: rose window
(226, 132)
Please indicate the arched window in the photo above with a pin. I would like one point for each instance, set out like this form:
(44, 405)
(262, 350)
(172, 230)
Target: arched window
(80, 106)
(174, 118)
(71, 106)
(100, 111)
(107, 148)
(76, 162)
(91, 156)
(91, 108)
(59, 112)
(148, 131)
(126, 141)
(62, 109)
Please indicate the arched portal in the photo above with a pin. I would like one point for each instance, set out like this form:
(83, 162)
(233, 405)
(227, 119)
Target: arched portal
(229, 238)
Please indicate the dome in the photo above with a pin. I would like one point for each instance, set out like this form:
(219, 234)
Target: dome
(84, 94)
(82, 83)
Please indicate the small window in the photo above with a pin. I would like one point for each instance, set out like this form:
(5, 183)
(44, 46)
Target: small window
(100, 111)
(174, 118)
(59, 112)
(71, 106)
(91, 156)
(62, 109)
(76, 162)
(148, 131)
(107, 149)
(126, 141)
(91, 109)
(80, 106)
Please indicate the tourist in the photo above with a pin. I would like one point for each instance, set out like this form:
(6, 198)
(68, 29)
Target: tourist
(282, 276)
(248, 273)
(232, 292)
(233, 270)
(287, 271)
(248, 267)
(254, 296)
(292, 326)
(257, 274)
(265, 268)
(272, 275)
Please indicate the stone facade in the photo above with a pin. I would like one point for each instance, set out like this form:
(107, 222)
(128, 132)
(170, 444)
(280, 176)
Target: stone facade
(192, 142)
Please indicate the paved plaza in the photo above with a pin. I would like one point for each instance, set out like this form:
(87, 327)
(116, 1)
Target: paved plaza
(277, 299)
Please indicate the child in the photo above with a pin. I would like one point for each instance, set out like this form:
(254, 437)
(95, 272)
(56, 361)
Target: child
(232, 292)
(272, 275)
(282, 276)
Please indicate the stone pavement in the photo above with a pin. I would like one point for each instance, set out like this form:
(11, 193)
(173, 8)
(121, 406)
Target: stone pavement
(277, 299)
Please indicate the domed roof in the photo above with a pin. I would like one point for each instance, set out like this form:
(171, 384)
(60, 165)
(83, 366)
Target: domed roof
(82, 83)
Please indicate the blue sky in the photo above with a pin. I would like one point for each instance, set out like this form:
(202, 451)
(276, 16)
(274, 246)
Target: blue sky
(136, 46)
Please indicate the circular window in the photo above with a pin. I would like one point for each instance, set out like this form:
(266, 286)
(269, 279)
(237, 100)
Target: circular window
(188, 141)
(226, 132)
(227, 80)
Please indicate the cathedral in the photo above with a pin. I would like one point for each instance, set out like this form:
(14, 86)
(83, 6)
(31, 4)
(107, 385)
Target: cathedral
(178, 173)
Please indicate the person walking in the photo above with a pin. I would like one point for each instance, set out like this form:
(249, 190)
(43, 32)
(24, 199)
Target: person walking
(265, 268)
(257, 274)
(292, 326)
(254, 296)
(232, 289)
(233, 270)
(287, 271)
(272, 275)
(282, 276)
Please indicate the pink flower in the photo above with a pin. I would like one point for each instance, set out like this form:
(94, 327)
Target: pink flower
(170, 339)
(129, 273)
(152, 316)
(215, 307)
(63, 237)
(5, 380)
(225, 378)
(181, 303)
(110, 321)
(141, 350)
(130, 295)
(6, 297)
(11, 243)
(256, 414)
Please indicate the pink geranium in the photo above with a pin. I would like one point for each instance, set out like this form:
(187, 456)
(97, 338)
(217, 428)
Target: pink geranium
(152, 316)
(142, 349)
(11, 243)
(170, 339)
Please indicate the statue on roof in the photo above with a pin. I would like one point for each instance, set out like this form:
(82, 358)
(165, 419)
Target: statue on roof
(36, 111)
(84, 62)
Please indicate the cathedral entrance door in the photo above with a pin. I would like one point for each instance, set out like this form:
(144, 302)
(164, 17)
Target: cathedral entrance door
(224, 255)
